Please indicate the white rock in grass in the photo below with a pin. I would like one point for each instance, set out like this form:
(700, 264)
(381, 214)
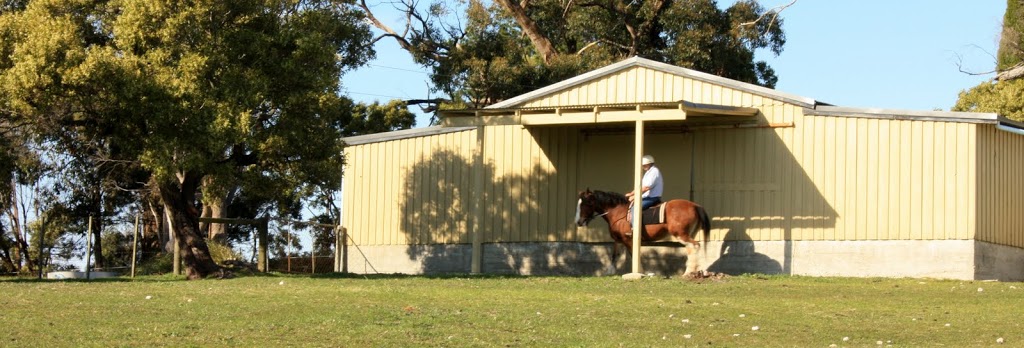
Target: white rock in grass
(980, 289)
(664, 337)
(281, 283)
(735, 335)
(743, 315)
(687, 336)
(846, 339)
(878, 342)
(755, 328)
(947, 324)
(149, 297)
(671, 315)
(1000, 340)
(686, 320)
(833, 345)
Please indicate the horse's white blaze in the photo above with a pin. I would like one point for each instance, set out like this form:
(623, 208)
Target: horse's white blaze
(578, 202)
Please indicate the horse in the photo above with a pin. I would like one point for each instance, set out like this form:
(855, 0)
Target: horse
(682, 219)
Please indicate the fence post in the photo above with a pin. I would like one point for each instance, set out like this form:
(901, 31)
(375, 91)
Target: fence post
(337, 249)
(135, 243)
(88, 248)
(262, 257)
(42, 238)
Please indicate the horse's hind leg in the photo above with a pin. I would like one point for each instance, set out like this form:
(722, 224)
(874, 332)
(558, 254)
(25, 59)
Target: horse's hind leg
(691, 258)
(692, 248)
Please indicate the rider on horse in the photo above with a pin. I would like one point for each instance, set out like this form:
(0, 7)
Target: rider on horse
(652, 184)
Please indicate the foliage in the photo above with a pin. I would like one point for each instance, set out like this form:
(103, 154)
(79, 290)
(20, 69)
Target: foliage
(377, 118)
(461, 311)
(1011, 41)
(240, 91)
(1005, 98)
(507, 48)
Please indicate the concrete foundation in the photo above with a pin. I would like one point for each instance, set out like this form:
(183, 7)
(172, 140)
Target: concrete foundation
(956, 259)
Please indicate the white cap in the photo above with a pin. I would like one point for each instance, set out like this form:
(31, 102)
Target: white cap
(647, 159)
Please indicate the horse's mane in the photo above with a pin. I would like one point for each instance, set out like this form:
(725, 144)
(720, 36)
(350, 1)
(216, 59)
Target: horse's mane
(609, 199)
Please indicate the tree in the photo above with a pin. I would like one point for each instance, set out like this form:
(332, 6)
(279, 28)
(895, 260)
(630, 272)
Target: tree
(1004, 95)
(507, 48)
(188, 90)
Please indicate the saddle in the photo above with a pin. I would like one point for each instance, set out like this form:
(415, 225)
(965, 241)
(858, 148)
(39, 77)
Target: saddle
(652, 216)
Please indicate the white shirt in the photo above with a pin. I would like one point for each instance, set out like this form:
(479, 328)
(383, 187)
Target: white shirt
(652, 179)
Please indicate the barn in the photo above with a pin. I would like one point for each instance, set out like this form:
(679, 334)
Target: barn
(793, 185)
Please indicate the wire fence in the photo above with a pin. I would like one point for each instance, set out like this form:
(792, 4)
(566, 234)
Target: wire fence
(298, 247)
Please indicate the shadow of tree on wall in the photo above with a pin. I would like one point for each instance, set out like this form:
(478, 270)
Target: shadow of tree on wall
(747, 179)
(438, 208)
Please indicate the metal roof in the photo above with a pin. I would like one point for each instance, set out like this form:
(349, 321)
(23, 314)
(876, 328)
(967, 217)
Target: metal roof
(402, 134)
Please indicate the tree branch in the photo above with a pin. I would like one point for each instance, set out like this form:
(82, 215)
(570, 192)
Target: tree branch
(1015, 72)
(774, 12)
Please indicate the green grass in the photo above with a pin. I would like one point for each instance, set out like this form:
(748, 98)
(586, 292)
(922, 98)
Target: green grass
(402, 311)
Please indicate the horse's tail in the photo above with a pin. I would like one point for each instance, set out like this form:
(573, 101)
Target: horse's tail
(705, 223)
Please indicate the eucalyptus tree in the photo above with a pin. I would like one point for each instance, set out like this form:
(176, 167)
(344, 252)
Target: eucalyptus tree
(187, 89)
(1005, 94)
(488, 51)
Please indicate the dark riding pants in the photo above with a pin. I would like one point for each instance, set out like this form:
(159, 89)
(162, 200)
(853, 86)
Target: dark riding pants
(650, 202)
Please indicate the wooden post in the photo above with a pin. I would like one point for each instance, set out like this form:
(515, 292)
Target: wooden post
(261, 264)
(88, 248)
(135, 243)
(637, 205)
(42, 238)
(344, 249)
(312, 259)
(337, 248)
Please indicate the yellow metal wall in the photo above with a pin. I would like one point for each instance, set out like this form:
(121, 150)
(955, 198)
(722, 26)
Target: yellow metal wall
(824, 178)
(530, 177)
(643, 85)
(410, 191)
(1000, 188)
(879, 179)
(821, 178)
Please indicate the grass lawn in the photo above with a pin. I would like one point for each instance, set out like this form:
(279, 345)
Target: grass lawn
(402, 311)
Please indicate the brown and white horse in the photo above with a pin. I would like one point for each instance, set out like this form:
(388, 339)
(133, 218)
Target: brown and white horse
(682, 219)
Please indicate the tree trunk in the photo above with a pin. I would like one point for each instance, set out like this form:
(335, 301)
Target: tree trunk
(179, 204)
(540, 42)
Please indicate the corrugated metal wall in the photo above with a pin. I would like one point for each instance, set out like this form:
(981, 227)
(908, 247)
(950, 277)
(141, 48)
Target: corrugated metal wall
(823, 178)
(1000, 187)
(530, 185)
(881, 179)
(826, 178)
(410, 191)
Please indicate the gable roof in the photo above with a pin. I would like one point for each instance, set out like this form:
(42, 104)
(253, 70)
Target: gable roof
(658, 66)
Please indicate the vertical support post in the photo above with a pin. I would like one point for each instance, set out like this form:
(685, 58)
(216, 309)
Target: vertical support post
(476, 227)
(135, 243)
(344, 249)
(88, 248)
(261, 262)
(287, 252)
(337, 248)
(637, 181)
(42, 239)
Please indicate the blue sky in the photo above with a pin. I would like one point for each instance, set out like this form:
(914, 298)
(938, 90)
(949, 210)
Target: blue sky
(901, 54)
